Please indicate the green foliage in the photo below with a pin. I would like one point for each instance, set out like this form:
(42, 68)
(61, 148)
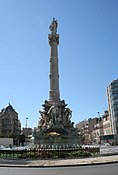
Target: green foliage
(63, 154)
(47, 154)
(55, 154)
(2, 136)
(79, 154)
(31, 154)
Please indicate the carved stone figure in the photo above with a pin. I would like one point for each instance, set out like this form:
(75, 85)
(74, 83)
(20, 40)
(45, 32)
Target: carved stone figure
(53, 26)
(53, 111)
(67, 115)
(50, 124)
(42, 121)
(59, 119)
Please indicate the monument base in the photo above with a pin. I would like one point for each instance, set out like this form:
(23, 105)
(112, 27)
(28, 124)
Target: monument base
(55, 129)
(54, 140)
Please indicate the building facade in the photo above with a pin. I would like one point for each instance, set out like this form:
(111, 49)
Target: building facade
(112, 93)
(107, 130)
(96, 130)
(86, 128)
(10, 126)
(27, 131)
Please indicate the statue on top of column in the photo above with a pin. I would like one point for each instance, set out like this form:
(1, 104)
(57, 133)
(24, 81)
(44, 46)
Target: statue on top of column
(53, 26)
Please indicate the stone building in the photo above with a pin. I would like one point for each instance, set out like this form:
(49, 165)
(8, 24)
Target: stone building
(107, 136)
(112, 93)
(27, 131)
(19, 127)
(106, 123)
(85, 128)
(10, 125)
(96, 130)
(80, 124)
(85, 133)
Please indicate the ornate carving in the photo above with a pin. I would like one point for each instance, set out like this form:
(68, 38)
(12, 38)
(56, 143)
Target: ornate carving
(53, 26)
(56, 118)
(53, 38)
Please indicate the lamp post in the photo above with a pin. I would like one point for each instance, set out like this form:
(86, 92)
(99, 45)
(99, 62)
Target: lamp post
(99, 126)
(26, 121)
(99, 114)
(26, 133)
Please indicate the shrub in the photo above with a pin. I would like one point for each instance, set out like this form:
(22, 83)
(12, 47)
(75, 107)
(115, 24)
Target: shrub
(79, 154)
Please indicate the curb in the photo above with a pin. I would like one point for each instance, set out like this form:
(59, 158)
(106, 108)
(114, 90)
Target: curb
(54, 166)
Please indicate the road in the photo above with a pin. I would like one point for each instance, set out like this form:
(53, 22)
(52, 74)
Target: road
(108, 169)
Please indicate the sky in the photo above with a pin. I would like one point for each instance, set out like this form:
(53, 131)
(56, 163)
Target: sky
(88, 55)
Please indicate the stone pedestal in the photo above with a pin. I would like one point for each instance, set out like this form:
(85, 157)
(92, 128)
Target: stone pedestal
(55, 128)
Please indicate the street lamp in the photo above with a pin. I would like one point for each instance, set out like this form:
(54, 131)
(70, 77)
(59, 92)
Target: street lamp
(99, 115)
(26, 121)
(99, 119)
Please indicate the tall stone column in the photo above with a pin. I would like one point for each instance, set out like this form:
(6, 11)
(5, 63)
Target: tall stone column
(55, 128)
(54, 94)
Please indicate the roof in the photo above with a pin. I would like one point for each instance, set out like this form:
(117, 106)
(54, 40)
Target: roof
(8, 108)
